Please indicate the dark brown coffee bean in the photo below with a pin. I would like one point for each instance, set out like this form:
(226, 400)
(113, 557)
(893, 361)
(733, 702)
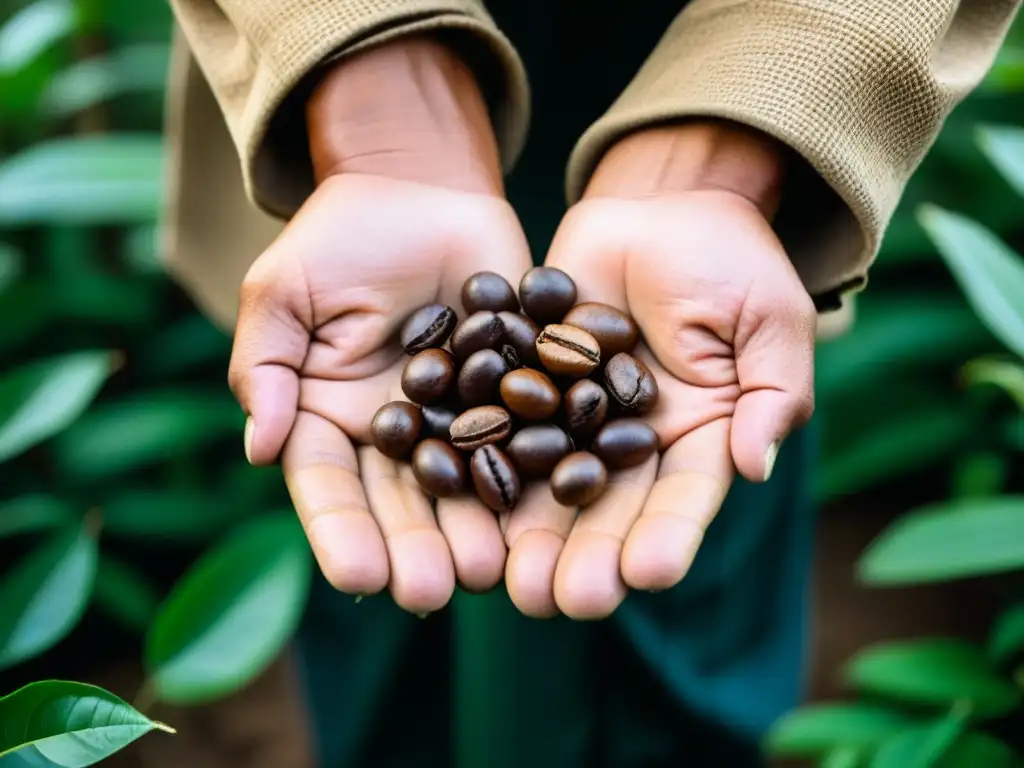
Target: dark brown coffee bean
(395, 428)
(547, 294)
(480, 426)
(488, 291)
(624, 443)
(437, 421)
(428, 376)
(495, 479)
(586, 407)
(510, 356)
(614, 330)
(439, 469)
(530, 394)
(521, 334)
(578, 479)
(630, 384)
(536, 450)
(567, 350)
(427, 328)
(480, 377)
(481, 330)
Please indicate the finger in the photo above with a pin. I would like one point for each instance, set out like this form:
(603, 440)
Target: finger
(321, 471)
(588, 579)
(775, 367)
(535, 535)
(476, 544)
(422, 572)
(693, 479)
(271, 340)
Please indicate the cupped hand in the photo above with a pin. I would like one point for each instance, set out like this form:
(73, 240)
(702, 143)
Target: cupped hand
(729, 333)
(316, 354)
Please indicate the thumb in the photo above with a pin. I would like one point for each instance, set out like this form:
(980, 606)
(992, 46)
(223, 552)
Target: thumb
(774, 348)
(271, 342)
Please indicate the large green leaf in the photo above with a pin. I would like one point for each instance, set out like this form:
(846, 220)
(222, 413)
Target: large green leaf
(949, 540)
(1005, 374)
(28, 514)
(990, 273)
(146, 428)
(124, 594)
(40, 399)
(188, 515)
(68, 725)
(817, 729)
(979, 474)
(10, 266)
(32, 30)
(971, 750)
(938, 672)
(1004, 146)
(103, 179)
(1006, 640)
(231, 614)
(45, 595)
(86, 83)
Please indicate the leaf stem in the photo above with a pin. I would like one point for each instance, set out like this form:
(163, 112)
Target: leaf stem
(163, 727)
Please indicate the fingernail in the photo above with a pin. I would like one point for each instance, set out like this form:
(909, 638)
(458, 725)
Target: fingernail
(769, 460)
(250, 427)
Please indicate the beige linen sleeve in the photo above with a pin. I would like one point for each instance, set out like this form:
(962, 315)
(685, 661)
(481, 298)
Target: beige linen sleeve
(858, 89)
(261, 58)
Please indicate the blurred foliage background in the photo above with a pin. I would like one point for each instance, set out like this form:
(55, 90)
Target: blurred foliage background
(130, 524)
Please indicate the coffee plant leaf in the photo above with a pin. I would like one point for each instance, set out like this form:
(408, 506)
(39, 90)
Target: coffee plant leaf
(43, 597)
(1004, 147)
(33, 513)
(186, 515)
(818, 729)
(41, 398)
(68, 725)
(124, 593)
(954, 539)
(912, 749)
(1005, 374)
(1006, 640)
(937, 672)
(33, 29)
(231, 614)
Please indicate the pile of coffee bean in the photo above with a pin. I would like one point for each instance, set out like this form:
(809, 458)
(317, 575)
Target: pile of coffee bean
(526, 387)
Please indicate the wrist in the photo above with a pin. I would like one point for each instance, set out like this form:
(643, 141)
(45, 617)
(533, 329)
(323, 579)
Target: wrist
(691, 156)
(408, 109)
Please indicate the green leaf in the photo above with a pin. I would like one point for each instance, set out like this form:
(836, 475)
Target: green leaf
(185, 346)
(1005, 374)
(103, 179)
(231, 614)
(45, 595)
(990, 273)
(980, 474)
(817, 729)
(29, 514)
(842, 757)
(10, 266)
(1007, 73)
(937, 672)
(1006, 640)
(188, 515)
(949, 540)
(31, 31)
(86, 83)
(124, 594)
(146, 428)
(70, 725)
(40, 399)
(1004, 146)
(970, 750)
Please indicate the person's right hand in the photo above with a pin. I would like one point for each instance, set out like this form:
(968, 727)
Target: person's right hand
(316, 350)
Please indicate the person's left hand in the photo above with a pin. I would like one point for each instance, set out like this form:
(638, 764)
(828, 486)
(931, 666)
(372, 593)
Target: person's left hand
(674, 230)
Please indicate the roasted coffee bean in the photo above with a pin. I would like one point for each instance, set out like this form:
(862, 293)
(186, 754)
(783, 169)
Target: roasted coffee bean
(521, 334)
(536, 450)
(437, 421)
(428, 376)
(614, 330)
(480, 377)
(578, 479)
(439, 469)
(547, 294)
(488, 291)
(510, 356)
(395, 428)
(530, 394)
(427, 328)
(586, 407)
(624, 443)
(567, 350)
(630, 384)
(481, 330)
(495, 479)
(480, 426)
